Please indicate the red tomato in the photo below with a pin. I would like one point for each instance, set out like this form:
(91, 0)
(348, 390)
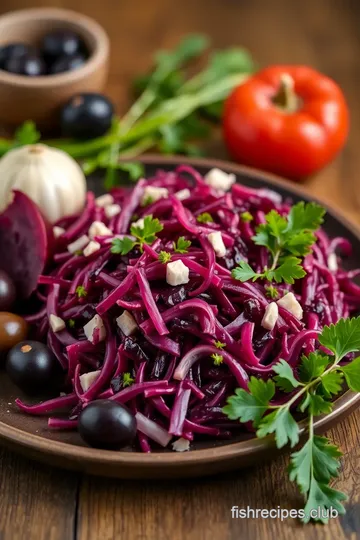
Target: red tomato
(290, 120)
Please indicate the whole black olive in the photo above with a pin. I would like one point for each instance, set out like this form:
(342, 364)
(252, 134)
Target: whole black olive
(86, 116)
(28, 64)
(67, 63)
(60, 43)
(7, 292)
(12, 50)
(34, 368)
(107, 424)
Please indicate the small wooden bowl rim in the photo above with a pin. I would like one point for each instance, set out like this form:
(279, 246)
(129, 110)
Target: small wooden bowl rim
(99, 54)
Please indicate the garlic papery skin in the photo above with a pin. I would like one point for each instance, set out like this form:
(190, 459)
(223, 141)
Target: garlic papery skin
(50, 177)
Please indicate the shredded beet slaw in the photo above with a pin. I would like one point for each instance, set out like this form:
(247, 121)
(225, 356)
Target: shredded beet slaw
(173, 385)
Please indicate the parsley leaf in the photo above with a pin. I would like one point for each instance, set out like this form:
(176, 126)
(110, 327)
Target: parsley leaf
(244, 272)
(343, 337)
(218, 359)
(286, 238)
(285, 379)
(331, 383)
(282, 424)
(288, 271)
(205, 218)
(71, 323)
(81, 291)
(127, 380)
(250, 406)
(312, 366)
(164, 257)
(312, 468)
(305, 217)
(122, 246)
(27, 134)
(147, 233)
(352, 374)
(182, 245)
(271, 292)
(219, 345)
(246, 217)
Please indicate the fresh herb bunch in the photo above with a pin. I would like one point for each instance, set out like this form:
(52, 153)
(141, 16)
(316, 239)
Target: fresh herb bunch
(319, 379)
(145, 234)
(287, 239)
(168, 113)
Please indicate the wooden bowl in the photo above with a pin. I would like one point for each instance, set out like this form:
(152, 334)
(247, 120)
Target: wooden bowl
(30, 435)
(40, 98)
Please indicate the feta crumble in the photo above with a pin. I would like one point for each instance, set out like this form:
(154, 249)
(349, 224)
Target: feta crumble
(91, 248)
(56, 323)
(78, 244)
(95, 330)
(218, 179)
(177, 273)
(290, 303)
(217, 243)
(270, 316)
(127, 323)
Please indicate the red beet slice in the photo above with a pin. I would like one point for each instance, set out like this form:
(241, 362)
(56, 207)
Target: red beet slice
(23, 243)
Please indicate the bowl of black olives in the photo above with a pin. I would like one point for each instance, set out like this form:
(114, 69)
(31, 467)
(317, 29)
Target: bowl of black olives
(46, 56)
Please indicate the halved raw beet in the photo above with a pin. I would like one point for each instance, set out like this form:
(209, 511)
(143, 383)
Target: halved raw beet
(23, 243)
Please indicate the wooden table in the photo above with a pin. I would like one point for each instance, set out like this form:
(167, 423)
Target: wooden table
(41, 503)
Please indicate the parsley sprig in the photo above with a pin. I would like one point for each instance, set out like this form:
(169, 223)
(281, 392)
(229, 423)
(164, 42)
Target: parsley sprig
(205, 217)
(320, 378)
(182, 245)
(287, 239)
(143, 235)
(218, 359)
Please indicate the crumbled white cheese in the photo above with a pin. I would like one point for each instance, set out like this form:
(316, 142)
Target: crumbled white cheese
(127, 323)
(270, 316)
(97, 228)
(91, 248)
(139, 223)
(219, 179)
(153, 194)
(104, 200)
(332, 262)
(95, 325)
(56, 323)
(183, 194)
(112, 210)
(290, 303)
(177, 273)
(181, 445)
(58, 231)
(79, 244)
(217, 243)
(87, 379)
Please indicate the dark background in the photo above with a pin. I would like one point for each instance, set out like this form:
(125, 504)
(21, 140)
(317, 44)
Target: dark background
(41, 503)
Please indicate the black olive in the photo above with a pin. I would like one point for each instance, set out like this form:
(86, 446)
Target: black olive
(13, 50)
(67, 63)
(107, 424)
(61, 43)
(28, 64)
(34, 368)
(7, 292)
(86, 116)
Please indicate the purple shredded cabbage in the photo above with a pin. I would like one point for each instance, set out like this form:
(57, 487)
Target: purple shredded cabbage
(164, 369)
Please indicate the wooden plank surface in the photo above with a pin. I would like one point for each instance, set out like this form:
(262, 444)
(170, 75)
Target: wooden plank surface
(37, 502)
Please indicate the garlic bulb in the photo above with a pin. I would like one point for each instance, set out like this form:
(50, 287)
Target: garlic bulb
(50, 177)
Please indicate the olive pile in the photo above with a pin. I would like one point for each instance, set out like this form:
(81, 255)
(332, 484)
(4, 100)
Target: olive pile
(59, 51)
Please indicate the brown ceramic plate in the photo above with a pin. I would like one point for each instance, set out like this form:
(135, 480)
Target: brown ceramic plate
(30, 435)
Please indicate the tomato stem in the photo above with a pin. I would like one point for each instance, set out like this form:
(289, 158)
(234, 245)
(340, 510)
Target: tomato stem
(285, 98)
